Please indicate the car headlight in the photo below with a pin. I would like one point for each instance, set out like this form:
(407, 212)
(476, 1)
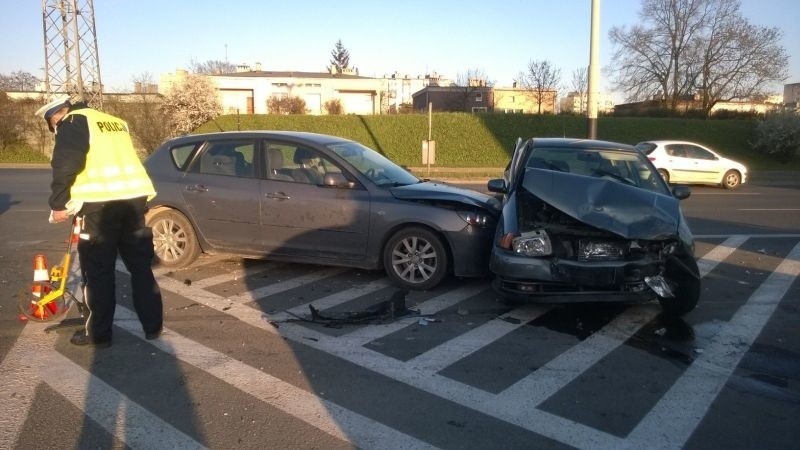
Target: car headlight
(532, 243)
(475, 218)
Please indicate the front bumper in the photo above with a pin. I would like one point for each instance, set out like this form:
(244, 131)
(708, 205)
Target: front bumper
(470, 249)
(559, 280)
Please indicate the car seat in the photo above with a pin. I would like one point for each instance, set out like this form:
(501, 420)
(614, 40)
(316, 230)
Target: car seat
(275, 166)
(308, 162)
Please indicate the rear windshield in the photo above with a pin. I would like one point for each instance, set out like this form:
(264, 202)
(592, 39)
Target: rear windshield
(645, 147)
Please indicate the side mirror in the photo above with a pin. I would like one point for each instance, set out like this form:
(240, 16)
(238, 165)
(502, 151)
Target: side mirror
(497, 185)
(681, 192)
(337, 180)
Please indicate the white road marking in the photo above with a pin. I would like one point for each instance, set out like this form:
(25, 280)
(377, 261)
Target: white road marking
(19, 376)
(718, 254)
(283, 286)
(123, 418)
(306, 406)
(523, 414)
(467, 343)
(673, 419)
(33, 359)
(230, 276)
(430, 307)
(526, 394)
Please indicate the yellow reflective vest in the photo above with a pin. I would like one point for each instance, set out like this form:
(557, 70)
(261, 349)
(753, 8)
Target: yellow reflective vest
(113, 171)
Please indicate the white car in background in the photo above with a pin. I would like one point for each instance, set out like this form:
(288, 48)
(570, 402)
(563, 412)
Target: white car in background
(691, 163)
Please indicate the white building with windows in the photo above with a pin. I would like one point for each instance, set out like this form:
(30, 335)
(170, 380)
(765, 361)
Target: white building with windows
(575, 102)
(248, 91)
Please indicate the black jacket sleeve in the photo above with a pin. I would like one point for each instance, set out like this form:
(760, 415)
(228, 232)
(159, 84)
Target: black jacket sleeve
(69, 158)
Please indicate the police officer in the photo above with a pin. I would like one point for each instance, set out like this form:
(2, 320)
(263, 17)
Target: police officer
(98, 176)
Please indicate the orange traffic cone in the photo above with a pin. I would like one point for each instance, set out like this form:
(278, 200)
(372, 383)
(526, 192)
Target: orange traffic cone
(39, 274)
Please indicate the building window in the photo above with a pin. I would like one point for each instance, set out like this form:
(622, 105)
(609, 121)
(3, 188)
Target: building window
(479, 97)
(478, 109)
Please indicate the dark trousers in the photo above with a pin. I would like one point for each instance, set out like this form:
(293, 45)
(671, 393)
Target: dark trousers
(110, 229)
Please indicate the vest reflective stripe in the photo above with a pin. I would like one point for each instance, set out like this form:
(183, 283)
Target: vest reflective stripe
(113, 170)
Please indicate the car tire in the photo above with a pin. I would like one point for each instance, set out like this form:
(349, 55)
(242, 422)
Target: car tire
(687, 289)
(174, 240)
(732, 179)
(664, 174)
(415, 258)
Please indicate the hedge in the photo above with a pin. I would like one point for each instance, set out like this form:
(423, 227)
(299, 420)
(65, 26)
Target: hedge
(486, 140)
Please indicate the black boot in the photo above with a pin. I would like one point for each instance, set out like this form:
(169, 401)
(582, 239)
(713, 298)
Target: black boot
(80, 338)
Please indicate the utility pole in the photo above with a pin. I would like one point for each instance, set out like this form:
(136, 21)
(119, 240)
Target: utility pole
(72, 63)
(594, 72)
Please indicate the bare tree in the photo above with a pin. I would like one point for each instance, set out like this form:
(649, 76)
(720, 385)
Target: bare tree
(541, 81)
(685, 46)
(736, 59)
(143, 112)
(468, 84)
(340, 57)
(211, 67)
(579, 84)
(18, 81)
(191, 104)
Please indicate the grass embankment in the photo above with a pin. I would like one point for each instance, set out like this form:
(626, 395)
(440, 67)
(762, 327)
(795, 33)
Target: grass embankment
(486, 140)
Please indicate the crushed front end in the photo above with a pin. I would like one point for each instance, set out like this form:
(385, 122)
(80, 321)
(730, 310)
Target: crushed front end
(618, 251)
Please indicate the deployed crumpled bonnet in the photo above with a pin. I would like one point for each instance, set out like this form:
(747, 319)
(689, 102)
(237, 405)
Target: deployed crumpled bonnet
(628, 211)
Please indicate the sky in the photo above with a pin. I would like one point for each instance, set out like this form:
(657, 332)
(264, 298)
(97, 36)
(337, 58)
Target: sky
(414, 37)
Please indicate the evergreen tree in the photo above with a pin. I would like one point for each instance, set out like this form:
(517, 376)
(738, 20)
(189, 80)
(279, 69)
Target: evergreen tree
(340, 57)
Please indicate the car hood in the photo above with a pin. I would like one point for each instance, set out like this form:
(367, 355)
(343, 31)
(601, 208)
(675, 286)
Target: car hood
(436, 190)
(628, 211)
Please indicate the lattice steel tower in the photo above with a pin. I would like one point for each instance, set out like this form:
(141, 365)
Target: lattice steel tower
(72, 63)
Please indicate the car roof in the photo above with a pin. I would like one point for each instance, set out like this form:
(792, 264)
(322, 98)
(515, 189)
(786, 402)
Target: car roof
(582, 143)
(316, 138)
(670, 141)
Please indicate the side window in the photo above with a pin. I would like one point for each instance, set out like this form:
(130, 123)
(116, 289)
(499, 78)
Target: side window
(180, 155)
(698, 153)
(286, 162)
(232, 158)
(676, 150)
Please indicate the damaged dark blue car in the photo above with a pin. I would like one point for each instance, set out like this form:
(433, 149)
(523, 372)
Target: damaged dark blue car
(588, 221)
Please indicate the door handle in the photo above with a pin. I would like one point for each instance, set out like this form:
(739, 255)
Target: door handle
(196, 188)
(278, 196)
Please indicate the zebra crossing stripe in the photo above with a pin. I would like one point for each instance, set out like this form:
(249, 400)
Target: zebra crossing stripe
(306, 406)
(231, 276)
(467, 343)
(430, 307)
(33, 359)
(526, 394)
(19, 376)
(283, 286)
(718, 254)
(671, 422)
(120, 416)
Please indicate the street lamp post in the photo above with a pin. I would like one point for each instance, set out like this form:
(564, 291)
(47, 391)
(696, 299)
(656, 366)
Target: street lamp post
(594, 71)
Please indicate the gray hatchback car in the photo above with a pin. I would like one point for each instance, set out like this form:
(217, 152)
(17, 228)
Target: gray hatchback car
(313, 198)
(592, 221)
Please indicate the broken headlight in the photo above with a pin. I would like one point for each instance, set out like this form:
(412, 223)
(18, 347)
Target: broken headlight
(601, 250)
(532, 243)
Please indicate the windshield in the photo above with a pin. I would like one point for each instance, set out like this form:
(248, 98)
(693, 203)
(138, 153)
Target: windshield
(623, 167)
(373, 165)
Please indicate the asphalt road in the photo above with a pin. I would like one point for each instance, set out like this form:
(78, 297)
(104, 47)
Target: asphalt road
(236, 369)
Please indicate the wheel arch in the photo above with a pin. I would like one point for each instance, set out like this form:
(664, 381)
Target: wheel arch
(438, 233)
